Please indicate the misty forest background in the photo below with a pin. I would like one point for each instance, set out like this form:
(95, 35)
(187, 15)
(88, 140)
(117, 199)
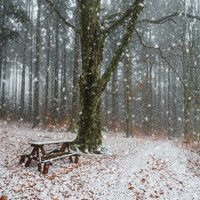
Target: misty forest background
(149, 92)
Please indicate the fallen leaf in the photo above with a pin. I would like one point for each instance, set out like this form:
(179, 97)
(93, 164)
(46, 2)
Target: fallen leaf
(3, 198)
(143, 180)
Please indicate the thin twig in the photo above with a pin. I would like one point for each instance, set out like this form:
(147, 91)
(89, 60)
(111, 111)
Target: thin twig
(16, 157)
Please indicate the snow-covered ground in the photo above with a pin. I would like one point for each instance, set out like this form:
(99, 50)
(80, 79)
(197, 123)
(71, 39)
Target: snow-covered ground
(138, 168)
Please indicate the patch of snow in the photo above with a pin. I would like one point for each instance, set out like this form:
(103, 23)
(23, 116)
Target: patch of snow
(137, 169)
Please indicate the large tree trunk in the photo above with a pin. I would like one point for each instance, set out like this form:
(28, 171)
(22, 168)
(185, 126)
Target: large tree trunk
(91, 85)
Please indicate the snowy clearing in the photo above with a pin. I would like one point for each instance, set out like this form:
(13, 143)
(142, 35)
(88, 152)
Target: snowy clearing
(136, 169)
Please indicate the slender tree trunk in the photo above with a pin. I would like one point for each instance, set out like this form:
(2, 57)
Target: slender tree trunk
(22, 98)
(159, 116)
(114, 123)
(169, 105)
(30, 99)
(150, 103)
(106, 108)
(64, 89)
(4, 82)
(175, 123)
(129, 128)
(197, 80)
(2, 44)
(47, 67)
(37, 65)
(1, 63)
(197, 108)
(75, 114)
(56, 109)
(1, 70)
(16, 80)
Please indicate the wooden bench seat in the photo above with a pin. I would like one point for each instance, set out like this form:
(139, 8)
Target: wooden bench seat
(47, 160)
(50, 158)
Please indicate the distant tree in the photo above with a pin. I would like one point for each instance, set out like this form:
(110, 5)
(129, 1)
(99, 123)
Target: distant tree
(75, 113)
(169, 105)
(37, 68)
(22, 98)
(129, 119)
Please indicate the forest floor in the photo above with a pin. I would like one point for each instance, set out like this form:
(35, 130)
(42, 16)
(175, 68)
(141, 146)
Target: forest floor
(136, 168)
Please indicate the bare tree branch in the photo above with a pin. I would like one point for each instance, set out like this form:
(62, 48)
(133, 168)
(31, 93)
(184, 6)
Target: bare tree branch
(161, 20)
(108, 17)
(122, 19)
(101, 83)
(164, 58)
(60, 15)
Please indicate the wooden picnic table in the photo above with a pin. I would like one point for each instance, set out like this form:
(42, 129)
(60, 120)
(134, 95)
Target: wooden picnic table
(39, 154)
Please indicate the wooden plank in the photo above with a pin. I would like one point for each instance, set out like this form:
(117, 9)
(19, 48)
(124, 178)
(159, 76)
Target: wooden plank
(50, 142)
(47, 157)
(59, 157)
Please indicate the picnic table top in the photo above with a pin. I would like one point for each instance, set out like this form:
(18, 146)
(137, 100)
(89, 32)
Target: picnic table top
(51, 142)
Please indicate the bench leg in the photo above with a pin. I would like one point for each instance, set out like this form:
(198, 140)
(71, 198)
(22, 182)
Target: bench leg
(76, 159)
(46, 168)
(39, 167)
(28, 162)
(22, 160)
(70, 158)
(31, 156)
